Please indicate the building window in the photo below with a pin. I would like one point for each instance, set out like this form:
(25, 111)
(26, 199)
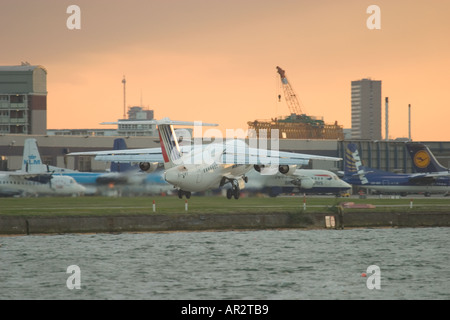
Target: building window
(84, 163)
(16, 98)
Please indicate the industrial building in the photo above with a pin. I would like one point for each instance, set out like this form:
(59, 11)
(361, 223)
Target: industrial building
(23, 99)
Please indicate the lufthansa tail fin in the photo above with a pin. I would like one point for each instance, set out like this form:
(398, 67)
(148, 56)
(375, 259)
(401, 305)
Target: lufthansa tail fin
(423, 159)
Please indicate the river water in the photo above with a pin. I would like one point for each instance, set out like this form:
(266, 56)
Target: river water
(413, 263)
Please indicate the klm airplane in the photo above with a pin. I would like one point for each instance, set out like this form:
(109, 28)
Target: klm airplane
(430, 177)
(123, 177)
(36, 179)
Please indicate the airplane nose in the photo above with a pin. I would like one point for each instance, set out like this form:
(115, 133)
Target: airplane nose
(345, 184)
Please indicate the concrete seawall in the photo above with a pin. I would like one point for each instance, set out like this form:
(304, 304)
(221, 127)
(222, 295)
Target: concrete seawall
(10, 225)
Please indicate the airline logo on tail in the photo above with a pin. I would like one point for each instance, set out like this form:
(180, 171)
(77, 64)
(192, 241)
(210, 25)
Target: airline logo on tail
(31, 158)
(422, 158)
(350, 159)
(169, 144)
(353, 164)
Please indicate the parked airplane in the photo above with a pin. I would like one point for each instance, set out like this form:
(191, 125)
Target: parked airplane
(310, 181)
(388, 182)
(35, 178)
(424, 161)
(123, 178)
(196, 168)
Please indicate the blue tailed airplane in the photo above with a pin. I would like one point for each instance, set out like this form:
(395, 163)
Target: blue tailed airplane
(430, 176)
(128, 178)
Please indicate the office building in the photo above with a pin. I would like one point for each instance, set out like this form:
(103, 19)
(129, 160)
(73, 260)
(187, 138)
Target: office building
(23, 99)
(366, 109)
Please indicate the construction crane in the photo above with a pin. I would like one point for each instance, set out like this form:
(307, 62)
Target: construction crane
(289, 94)
(297, 125)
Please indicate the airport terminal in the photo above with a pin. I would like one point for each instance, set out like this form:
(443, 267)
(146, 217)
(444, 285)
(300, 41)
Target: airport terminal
(23, 114)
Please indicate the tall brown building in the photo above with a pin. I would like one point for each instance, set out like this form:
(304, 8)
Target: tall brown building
(366, 109)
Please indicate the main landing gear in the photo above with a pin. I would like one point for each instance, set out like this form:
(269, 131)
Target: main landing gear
(235, 191)
(182, 193)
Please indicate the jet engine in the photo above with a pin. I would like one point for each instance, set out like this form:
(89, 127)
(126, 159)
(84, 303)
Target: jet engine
(148, 166)
(266, 170)
(258, 167)
(287, 169)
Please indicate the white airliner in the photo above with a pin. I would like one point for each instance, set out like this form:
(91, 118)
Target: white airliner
(311, 181)
(35, 178)
(198, 167)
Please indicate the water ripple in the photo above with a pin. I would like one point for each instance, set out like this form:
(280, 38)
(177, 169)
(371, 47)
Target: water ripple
(273, 264)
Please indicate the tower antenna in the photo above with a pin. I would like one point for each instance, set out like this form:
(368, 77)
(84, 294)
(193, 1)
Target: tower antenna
(124, 96)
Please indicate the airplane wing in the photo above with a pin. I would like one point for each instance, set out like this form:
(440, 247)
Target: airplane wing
(441, 174)
(241, 154)
(128, 155)
(37, 177)
(231, 155)
(426, 179)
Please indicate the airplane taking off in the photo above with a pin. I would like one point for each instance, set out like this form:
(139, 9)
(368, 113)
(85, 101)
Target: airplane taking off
(35, 178)
(198, 167)
(312, 181)
(388, 182)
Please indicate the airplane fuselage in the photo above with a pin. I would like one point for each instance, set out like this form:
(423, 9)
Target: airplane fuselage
(303, 181)
(401, 183)
(59, 185)
(201, 177)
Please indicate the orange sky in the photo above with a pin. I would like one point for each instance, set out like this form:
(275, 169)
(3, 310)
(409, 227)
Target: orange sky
(214, 60)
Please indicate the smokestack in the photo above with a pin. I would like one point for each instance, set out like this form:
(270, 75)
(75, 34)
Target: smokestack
(387, 119)
(409, 122)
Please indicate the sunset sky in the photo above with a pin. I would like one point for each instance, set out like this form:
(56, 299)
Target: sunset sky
(215, 60)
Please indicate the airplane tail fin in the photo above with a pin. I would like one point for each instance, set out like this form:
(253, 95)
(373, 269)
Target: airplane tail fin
(31, 161)
(352, 164)
(169, 145)
(423, 159)
(119, 144)
(169, 142)
(350, 159)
